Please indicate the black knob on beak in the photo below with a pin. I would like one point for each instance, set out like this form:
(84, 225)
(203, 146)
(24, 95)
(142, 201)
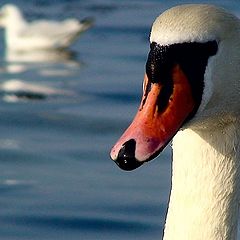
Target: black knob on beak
(126, 157)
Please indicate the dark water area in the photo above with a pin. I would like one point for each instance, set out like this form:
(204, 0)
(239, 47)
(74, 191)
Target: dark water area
(57, 180)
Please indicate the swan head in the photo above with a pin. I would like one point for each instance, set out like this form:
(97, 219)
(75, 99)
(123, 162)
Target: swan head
(9, 14)
(191, 80)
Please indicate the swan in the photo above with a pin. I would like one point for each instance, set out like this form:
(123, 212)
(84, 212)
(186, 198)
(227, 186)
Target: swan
(21, 35)
(191, 94)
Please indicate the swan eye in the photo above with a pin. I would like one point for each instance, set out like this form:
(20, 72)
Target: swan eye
(162, 58)
(191, 57)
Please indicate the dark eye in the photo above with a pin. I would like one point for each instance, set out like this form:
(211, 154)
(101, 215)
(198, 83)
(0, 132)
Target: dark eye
(159, 63)
(191, 57)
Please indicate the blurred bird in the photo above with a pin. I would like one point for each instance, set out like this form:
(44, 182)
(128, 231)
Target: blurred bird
(21, 35)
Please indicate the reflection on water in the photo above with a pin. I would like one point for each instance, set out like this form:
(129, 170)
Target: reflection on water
(43, 64)
(51, 63)
(50, 56)
(10, 144)
(15, 90)
(21, 61)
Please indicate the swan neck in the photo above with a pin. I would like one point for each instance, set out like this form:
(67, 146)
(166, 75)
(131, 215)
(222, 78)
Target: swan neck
(205, 185)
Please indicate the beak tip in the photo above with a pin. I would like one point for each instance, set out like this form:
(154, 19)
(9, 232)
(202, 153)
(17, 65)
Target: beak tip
(125, 158)
(112, 154)
(128, 164)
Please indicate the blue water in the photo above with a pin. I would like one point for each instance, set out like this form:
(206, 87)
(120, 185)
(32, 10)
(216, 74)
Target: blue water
(57, 181)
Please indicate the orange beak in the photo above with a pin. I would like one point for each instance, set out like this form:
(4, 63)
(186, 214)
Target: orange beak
(153, 126)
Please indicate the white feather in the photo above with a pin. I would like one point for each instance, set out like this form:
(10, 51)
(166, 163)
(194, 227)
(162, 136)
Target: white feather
(206, 154)
(43, 34)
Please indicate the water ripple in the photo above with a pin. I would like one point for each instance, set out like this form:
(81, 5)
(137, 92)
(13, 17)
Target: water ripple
(81, 223)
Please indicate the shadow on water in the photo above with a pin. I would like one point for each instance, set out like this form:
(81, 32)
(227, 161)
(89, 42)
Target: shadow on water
(81, 223)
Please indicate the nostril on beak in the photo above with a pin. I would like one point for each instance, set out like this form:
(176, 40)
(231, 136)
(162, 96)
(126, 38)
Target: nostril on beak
(126, 157)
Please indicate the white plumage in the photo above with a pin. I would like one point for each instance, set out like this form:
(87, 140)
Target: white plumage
(21, 35)
(205, 193)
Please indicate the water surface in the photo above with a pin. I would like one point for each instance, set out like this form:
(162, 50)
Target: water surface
(57, 181)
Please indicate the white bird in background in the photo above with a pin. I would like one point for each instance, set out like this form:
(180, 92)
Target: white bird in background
(21, 35)
(191, 94)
